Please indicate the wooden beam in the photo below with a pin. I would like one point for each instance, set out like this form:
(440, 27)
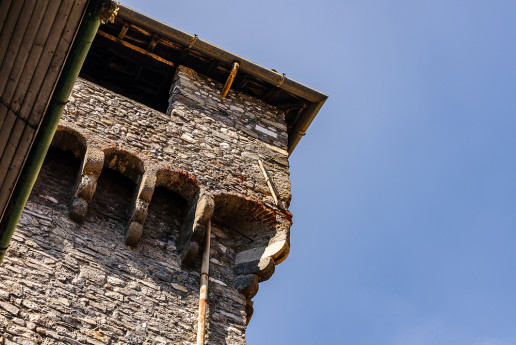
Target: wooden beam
(212, 65)
(290, 106)
(270, 94)
(152, 43)
(135, 48)
(242, 83)
(182, 56)
(123, 31)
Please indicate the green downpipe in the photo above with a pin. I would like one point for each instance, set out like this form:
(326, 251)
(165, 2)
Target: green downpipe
(29, 174)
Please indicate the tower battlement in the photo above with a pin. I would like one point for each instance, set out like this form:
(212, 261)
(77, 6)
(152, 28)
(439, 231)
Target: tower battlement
(108, 249)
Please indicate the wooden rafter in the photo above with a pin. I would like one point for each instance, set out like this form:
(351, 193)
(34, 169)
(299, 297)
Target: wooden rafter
(269, 96)
(152, 43)
(136, 48)
(242, 83)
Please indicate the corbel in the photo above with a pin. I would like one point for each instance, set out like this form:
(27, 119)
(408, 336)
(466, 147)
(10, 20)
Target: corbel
(193, 228)
(87, 183)
(140, 207)
(258, 264)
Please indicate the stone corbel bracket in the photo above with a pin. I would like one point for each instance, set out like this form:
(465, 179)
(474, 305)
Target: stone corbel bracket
(258, 264)
(140, 207)
(193, 228)
(87, 183)
(264, 240)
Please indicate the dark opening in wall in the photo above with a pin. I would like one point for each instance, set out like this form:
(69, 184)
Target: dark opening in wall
(128, 73)
(56, 180)
(165, 214)
(112, 198)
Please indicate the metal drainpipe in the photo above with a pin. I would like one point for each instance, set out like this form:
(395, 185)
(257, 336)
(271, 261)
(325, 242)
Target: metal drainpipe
(203, 295)
(71, 69)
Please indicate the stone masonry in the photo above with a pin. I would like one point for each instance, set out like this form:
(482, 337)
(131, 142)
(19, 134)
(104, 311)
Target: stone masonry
(108, 248)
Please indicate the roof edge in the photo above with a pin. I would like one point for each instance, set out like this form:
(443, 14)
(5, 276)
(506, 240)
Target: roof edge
(316, 98)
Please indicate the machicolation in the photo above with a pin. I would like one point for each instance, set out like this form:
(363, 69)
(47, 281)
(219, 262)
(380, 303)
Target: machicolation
(109, 247)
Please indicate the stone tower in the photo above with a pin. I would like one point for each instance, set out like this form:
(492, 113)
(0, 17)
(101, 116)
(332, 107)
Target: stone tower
(165, 139)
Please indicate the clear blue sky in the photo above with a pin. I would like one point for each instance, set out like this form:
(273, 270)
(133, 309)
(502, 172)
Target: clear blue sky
(404, 189)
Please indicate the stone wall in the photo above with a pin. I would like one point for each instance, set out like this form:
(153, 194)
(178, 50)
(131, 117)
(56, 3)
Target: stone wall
(64, 283)
(219, 142)
(107, 249)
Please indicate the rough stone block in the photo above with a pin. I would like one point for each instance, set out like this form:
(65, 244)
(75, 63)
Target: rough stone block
(247, 285)
(133, 234)
(188, 254)
(263, 268)
(78, 210)
(87, 187)
(204, 208)
(93, 161)
(140, 211)
(249, 310)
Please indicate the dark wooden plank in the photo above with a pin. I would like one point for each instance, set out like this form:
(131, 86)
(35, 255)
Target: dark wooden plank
(35, 54)
(14, 168)
(43, 76)
(269, 96)
(8, 84)
(9, 26)
(242, 83)
(10, 56)
(4, 10)
(153, 43)
(3, 110)
(123, 31)
(212, 65)
(7, 126)
(7, 155)
(57, 61)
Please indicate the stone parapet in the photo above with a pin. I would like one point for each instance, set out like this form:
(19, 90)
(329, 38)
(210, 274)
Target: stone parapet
(107, 250)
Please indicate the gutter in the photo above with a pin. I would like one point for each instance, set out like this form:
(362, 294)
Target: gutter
(316, 98)
(81, 45)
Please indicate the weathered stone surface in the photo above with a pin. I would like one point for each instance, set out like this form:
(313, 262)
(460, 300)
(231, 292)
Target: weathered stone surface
(133, 234)
(140, 211)
(147, 187)
(193, 228)
(77, 284)
(87, 187)
(166, 131)
(263, 268)
(79, 210)
(189, 254)
(249, 310)
(10, 308)
(275, 250)
(204, 209)
(93, 161)
(247, 285)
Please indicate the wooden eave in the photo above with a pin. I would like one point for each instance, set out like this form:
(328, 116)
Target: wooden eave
(123, 49)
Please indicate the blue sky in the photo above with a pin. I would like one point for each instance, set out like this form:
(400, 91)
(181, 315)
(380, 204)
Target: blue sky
(404, 189)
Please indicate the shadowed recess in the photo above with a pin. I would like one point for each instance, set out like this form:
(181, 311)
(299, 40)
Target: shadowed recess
(113, 197)
(178, 181)
(125, 163)
(57, 178)
(67, 139)
(244, 216)
(165, 214)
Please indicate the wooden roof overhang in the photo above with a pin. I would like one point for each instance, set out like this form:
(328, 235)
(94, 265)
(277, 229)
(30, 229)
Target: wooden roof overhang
(35, 40)
(137, 56)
